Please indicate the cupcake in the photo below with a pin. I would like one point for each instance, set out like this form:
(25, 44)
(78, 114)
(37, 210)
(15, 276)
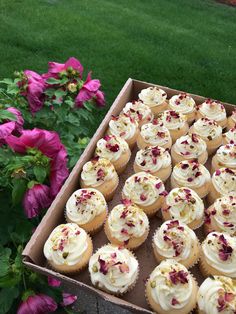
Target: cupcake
(221, 216)
(213, 110)
(113, 269)
(177, 241)
(217, 294)
(127, 225)
(87, 208)
(68, 248)
(100, 173)
(185, 205)
(115, 149)
(139, 112)
(175, 122)
(223, 182)
(145, 190)
(218, 255)
(152, 134)
(224, 157)
(193, 175)
(189, 147)
(231, 120)
(154, 98)
(155, 160)
(125, 127)
(210, 132)
(230, 136)
(185, 104)
(171, 289)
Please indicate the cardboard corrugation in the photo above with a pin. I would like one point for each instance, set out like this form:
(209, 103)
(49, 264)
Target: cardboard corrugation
(33, 252)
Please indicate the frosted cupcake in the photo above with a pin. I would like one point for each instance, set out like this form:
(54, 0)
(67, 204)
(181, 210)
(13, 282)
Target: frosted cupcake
(153, 134)
(125, 127)
(171, 289)
(146, 191)
(155, 160)
(231, 120)
(223, 182)
(177, 241)
(68, 248)
(185, 205)
(221, 216)
(155, 98)
(193, 175)
(189, 147)
(175, 122)
(185, 104)
(230, 136)
(139, 112)
(217, 294)
(115, 149)
(87, 208)
(113, 269)
(224, 157)
(127, 225)
(100, 173)
(210, 132)
(213, 110)
(218, 255)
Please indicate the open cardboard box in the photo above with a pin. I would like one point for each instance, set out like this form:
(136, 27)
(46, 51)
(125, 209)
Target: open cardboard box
(33, 252)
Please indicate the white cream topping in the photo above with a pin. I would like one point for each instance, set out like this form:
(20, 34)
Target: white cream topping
(138, 111)
(219, 250)
(190, 146)
(123, 126)
(171, 294)
(155, 134)
(126, 222)
(174, 240)
(230, 135)
(207, 129)
(226, 155)
(84, 205)
(143, 188)
(217, 295)
(184, 205)
(182, 103)
(153, 158)
(152, 96)
(213, 110)
(172, 119)
(97, 171)
(66, 245)
(113, 268)
(224, 180)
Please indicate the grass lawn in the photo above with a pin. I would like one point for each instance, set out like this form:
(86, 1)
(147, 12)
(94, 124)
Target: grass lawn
(185, 44)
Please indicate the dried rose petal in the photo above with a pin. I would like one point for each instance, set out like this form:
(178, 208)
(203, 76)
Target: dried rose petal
(174, 301)
(124, 268)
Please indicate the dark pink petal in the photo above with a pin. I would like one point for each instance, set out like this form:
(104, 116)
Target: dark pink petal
(91, 85)
(100, 98)
(37, 304)
(68, 299)
(83, 96)
(53, 282)
(75, 64)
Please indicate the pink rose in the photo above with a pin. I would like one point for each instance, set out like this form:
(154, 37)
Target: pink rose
(37, 304)
(55, 68)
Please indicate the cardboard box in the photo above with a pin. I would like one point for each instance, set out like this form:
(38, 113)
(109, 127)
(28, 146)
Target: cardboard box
(33, 252)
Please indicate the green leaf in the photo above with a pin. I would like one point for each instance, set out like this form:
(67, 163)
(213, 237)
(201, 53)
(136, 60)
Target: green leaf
(60, 93)
(6, 81)
(5, 254)
(18, 190)
(31, 184)
(50, 92)
(7, 115)
(7, 297)
(52, 81)
(40, 173)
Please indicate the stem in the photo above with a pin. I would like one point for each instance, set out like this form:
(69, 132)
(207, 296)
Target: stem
(24, 282)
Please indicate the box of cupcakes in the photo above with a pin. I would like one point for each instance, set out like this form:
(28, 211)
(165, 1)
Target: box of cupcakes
(147, 217)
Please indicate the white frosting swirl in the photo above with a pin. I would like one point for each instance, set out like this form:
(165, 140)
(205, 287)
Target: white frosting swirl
(219, 251)
(230, 135)
(174, 240)
(171, 119)
(123, 126)
(84, 205)
(111, 147)
(216, 295)
(226, 155)
(213, 110)
(182, 103)
(171, 294)
(126, 222)
(184, 205)
(190, 146)
(138, 111)
(66, 245)
(97, 171)
(207, 129)
(113, 268)
(153, 158)
(224, 180)
(152, 96)
(155, 134)
(143, 188)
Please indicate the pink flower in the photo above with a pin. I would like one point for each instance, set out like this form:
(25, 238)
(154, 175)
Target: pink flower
(37, 304)
(100, 99)
(53, 282)
(68, 299)
(35, 199)
(19, 119)
(55, 68)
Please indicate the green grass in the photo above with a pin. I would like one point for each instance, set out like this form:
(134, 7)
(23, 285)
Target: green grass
(184, 44)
